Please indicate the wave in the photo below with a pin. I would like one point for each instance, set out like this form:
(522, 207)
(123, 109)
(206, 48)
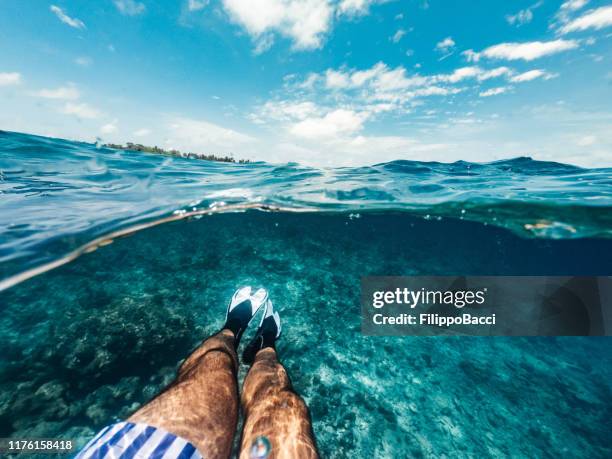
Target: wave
(56, 196)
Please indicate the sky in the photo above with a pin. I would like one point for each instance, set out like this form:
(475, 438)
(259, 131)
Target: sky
(319, 82)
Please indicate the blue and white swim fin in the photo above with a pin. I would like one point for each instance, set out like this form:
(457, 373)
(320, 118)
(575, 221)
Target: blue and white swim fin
(268, 332)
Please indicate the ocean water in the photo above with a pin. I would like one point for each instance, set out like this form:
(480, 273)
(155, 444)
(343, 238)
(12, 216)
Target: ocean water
(88, 342)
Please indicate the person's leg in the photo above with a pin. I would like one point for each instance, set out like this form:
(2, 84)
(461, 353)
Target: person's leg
(275, 412)
(201, 405)
(276, 420)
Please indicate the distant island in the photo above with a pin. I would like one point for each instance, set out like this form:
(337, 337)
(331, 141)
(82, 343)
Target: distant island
(180, 154)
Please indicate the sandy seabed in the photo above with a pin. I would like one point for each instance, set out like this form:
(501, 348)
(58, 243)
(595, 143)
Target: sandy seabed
(86, 344)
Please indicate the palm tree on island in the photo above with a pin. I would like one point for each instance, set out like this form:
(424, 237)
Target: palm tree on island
(143, 148)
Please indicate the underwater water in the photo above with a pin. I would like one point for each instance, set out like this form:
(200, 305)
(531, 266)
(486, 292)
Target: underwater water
(86, 343)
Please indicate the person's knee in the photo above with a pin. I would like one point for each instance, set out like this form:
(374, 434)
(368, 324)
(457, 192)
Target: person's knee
(264, 383)
(278, 413)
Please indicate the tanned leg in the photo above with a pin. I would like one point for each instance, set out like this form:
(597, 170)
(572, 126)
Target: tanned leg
(273, 410)
(201, 405)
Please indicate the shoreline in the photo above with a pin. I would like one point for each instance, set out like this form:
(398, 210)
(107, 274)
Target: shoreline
(130, 146)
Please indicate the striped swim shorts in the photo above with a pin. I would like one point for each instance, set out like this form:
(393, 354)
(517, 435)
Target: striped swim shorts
(126, 440)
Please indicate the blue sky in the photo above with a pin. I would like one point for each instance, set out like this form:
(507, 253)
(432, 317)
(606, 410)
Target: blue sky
(323, 82)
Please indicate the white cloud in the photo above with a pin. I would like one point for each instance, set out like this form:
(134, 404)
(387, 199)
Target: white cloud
(354, 7)
(263, 44)
(69, 92)
(304, 21)
(130, 7)
(527, 51)
(567, 8)
(62, 16)
(356, 97)
(494, 91)
(9, 78)
(307, 120)
(592, 19)
(522, 17)
(310, 81)
(373, 90)
(388, 80)
(379, 77)
(532, 75)
(336, 80)
(431, 90)
(460, 74)
(83, 61)
(360, 77)
(189, 134)
(339, 122)
(286, 111)
(196, 5)
(336, 105)
(446, 45)
(478, 73)
(397, 36)
(81, 110)
(471, 55)
(573, 5)
(109, 128)
(494, 73)
(143, 132)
